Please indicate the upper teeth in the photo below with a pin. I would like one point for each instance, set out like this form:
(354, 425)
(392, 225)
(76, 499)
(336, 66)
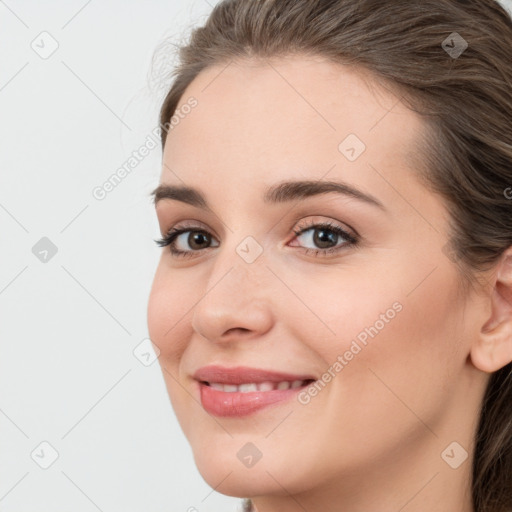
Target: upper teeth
(260, 386)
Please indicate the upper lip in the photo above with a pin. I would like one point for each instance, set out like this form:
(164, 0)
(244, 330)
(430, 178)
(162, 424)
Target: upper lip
(244, 375)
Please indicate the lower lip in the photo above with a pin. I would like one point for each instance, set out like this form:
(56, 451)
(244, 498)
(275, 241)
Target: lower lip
(237, 404)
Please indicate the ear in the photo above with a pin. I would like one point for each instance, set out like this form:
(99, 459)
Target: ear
(493, 348)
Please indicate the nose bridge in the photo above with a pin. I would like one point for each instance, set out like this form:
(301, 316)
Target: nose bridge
(237, 293)
(243, 255)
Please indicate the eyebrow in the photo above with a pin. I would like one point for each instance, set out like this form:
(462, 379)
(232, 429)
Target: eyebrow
(279, 193)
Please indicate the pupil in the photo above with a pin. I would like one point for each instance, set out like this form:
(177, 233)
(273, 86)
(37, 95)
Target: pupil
(322, 238)
(194, 236)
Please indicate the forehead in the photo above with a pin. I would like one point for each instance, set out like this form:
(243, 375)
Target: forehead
(260, 120)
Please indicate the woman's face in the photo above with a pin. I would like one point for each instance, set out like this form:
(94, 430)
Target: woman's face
(373, 316)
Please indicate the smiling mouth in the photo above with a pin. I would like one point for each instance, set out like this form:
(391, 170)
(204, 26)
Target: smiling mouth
(248, 398)
(265, 386)
(241, 390)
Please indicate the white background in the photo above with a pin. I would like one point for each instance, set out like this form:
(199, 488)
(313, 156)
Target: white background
(68, 326)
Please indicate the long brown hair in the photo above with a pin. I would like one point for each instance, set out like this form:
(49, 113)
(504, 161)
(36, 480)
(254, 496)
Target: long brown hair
(450, 61)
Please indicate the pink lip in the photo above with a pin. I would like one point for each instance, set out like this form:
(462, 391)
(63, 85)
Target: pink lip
(237, 404)
(243, 375)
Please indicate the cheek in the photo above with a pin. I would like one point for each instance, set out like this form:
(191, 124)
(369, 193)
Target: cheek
(330, 310)
(168, 313)
(169, 310)
(391, 308)
(380, 336)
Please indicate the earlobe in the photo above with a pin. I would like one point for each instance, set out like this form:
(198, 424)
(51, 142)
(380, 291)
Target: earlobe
(493, 348)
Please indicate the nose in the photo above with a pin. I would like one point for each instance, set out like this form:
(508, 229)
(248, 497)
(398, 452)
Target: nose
(236, 302)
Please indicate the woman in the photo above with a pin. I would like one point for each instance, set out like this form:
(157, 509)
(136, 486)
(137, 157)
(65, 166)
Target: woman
(333, 303)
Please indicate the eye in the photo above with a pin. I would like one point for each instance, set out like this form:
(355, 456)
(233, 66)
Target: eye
(197, 238)
(323, 235)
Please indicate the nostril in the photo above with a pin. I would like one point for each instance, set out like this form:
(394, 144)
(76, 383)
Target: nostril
(236, 329)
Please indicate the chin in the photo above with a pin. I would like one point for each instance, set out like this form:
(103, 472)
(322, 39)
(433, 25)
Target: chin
(241, 482)
(223, 471)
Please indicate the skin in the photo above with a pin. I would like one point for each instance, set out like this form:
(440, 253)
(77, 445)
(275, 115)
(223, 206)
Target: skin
(372, 438)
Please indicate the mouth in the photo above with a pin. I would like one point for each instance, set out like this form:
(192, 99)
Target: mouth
(251, 387)
(242, 391)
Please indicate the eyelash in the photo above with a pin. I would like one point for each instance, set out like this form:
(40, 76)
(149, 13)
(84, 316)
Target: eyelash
(170, 237)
